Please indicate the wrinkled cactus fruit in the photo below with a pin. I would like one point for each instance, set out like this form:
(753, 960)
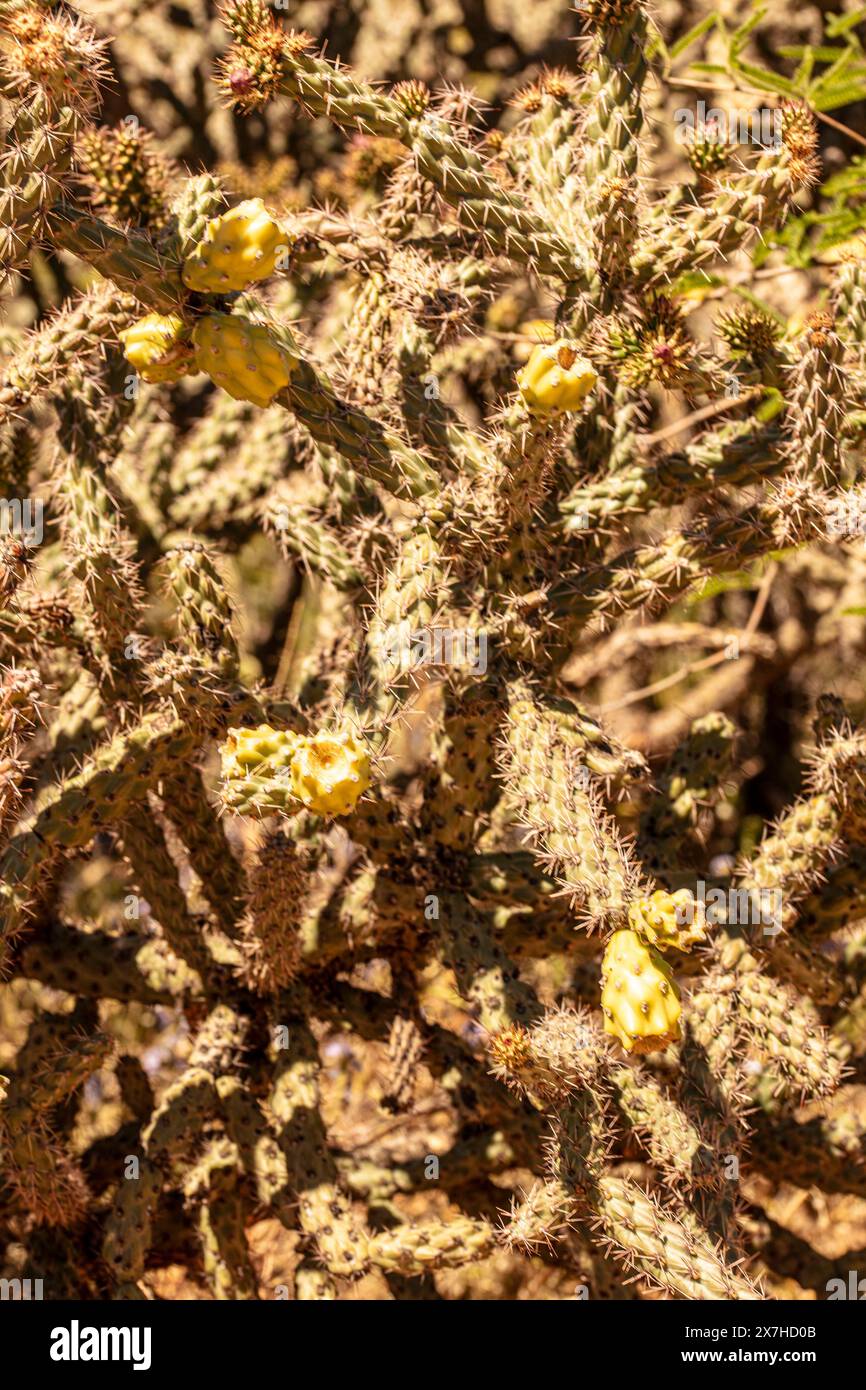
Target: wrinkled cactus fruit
(238, 248)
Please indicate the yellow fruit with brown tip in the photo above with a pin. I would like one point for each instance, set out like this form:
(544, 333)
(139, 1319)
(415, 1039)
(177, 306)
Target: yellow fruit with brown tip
(238, 248)
(158, 347)
(556, 379)
(330, 772)
(638, 996)
(246, 359)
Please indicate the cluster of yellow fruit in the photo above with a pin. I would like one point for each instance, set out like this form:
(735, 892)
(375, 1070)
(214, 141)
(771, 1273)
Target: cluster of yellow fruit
(556, 379)
(248, 360)
(639, 996)
(254, 361)
(243, 358)
(326, 772)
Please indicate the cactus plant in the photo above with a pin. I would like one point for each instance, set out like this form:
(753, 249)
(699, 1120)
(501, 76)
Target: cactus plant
(327, 813)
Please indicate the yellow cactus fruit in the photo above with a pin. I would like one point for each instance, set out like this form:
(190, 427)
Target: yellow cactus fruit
(555, 379)
(330, 772)
(158, 347)
(244, 358)
(669, 919)
(638, 995)
(238, 247)
(261, 749)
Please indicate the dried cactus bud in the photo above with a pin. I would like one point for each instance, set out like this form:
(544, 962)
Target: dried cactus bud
(749, 331)
(330, 772)
(800, 139)
(607, 14)
(529, 99)
(251, 71)
(412, 97)
(638, 998)
(56, 57)
(244, 358)
(669, 919)
(128, 179)
(510, 1049)
(158, 347)
(652, 347)
(16, 561)
(238, 248)
(556, 379)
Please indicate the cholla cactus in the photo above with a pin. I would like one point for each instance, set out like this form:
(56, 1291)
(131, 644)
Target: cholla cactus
(290, 773)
